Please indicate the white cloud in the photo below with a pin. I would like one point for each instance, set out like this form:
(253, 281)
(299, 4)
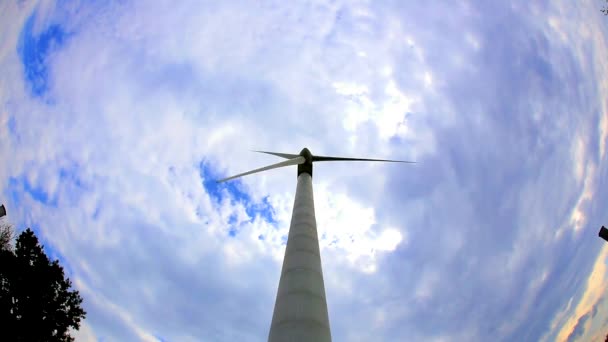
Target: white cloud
(140, 94)
(350, 228)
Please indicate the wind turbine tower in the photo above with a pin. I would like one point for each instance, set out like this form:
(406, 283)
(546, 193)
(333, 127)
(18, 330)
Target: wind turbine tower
(300, 309)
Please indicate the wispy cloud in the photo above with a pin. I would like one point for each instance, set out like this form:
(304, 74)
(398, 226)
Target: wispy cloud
(117, 118)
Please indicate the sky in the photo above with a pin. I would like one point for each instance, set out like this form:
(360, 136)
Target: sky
(117, 117)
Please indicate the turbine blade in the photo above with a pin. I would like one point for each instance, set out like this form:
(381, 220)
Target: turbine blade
(282, 155)
(294, 161)
(325, 158)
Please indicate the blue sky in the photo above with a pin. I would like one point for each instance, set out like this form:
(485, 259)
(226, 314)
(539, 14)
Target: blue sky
(116, 118)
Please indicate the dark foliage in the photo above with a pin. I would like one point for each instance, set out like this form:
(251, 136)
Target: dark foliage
(36, 303)
(605, 10)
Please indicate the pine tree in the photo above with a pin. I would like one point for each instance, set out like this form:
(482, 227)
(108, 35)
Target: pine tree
(35, 297)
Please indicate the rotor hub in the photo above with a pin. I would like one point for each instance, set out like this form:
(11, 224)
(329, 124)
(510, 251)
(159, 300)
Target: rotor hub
(307, 165)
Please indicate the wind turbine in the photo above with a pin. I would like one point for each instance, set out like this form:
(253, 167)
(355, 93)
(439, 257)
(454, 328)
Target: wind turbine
(300, 309)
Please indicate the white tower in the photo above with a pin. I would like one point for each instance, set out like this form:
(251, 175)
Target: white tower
(300, 309)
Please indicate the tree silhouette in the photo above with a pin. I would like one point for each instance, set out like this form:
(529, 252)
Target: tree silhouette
(36, 303)
(605, 10)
